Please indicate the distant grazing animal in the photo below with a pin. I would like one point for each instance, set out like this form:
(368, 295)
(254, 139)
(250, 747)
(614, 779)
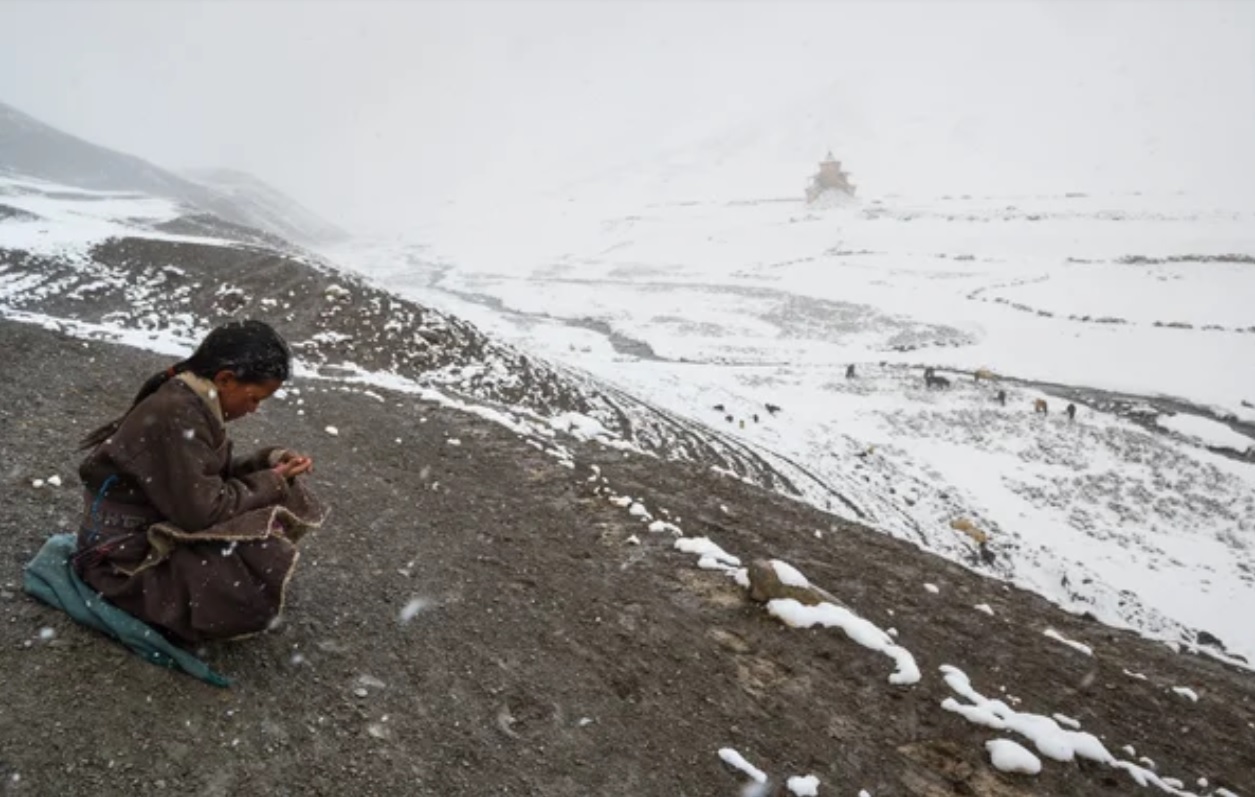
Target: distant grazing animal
(965, 526)
(1002, 397)
(742, 423)
(867, 452)
(728, 418)
(984, 373)
(720, 408)
(987, 556)
(1039, 405)
(1071, 410)
(849, 371)
(756, 417)
(772, 408)
(932, 380)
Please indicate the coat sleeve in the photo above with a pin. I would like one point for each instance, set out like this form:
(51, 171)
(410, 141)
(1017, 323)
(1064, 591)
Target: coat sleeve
(259, 459)
(187, 479)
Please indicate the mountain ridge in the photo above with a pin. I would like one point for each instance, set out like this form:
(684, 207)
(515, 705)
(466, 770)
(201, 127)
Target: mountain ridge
(32, 148)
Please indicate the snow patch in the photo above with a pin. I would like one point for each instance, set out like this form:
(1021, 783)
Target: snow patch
(659, 526)
(1009, 756)
(864, 632)
(1079, 646)
(1207, 431)
(702, 546)
(737, 761)
(803, 785)
(1064, 719)
(1051, 740)
(789, 575)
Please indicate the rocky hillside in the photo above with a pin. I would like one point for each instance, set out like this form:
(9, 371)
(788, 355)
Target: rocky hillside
(480, 617)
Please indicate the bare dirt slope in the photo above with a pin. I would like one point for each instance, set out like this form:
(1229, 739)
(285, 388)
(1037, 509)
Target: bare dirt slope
(554, 657)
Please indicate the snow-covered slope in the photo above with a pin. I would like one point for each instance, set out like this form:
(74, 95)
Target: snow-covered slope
(129, 267)
(266, 206)
(29, 148)
(1116, 303)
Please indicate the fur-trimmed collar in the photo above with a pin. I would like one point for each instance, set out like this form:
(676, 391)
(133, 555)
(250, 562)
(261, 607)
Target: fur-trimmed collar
(205, 389)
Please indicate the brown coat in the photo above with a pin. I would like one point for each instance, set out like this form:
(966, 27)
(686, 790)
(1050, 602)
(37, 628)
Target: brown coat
(177, 532)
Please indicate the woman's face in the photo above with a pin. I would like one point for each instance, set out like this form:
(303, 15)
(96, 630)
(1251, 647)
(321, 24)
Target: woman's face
(238, 398)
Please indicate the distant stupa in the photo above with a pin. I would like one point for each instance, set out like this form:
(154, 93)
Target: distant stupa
(831, 179)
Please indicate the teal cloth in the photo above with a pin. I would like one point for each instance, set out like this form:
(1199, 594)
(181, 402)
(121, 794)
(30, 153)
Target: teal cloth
(50, 577)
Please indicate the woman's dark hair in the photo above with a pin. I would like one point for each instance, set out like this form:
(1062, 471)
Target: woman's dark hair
(252, 350)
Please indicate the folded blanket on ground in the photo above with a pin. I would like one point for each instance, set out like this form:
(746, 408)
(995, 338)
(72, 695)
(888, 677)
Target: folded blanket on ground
(50, 577)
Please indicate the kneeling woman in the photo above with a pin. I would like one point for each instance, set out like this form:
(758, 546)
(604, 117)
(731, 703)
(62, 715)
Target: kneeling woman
(175, 530)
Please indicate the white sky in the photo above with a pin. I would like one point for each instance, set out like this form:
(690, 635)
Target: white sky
(377, 114)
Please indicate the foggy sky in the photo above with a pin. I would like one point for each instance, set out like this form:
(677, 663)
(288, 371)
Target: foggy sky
(377, 114)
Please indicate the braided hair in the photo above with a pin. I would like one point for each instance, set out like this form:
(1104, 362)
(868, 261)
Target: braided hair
(252, 350)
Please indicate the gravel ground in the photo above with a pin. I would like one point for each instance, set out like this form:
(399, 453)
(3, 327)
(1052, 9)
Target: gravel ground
(550, 655)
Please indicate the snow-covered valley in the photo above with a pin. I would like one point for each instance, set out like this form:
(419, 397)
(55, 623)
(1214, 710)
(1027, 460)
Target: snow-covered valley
(1136, 512)
(1133, 307)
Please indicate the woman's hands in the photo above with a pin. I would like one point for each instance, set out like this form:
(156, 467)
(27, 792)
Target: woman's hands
(292, 464)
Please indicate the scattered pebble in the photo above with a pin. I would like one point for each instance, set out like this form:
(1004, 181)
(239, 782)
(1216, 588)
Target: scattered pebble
(371, 681)
(412, 608)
